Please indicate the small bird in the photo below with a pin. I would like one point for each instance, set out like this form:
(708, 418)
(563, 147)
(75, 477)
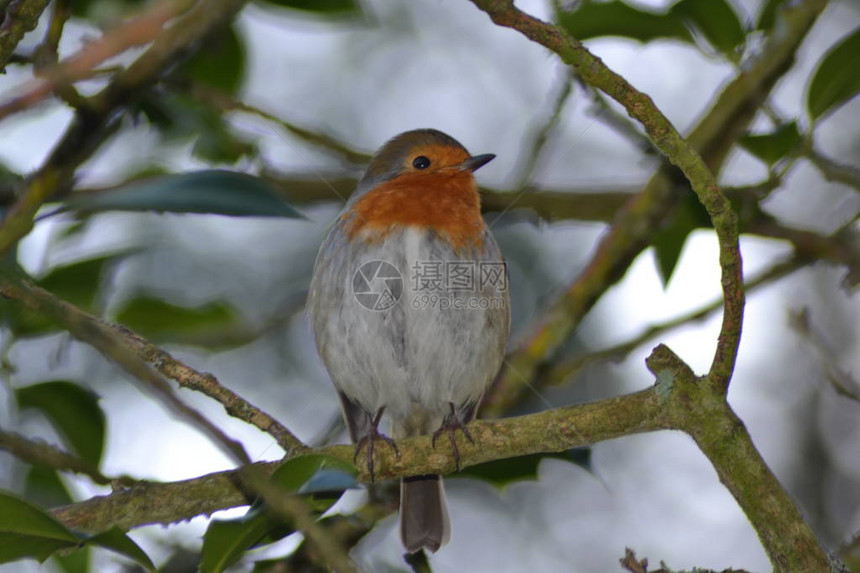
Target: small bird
(410, 309)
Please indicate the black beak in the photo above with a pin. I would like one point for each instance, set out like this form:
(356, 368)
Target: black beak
(476, 162)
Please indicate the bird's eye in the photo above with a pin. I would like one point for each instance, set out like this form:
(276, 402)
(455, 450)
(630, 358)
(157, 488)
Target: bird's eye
(421, 162)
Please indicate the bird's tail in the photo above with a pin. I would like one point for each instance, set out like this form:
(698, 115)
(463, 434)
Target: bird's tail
(423, 513)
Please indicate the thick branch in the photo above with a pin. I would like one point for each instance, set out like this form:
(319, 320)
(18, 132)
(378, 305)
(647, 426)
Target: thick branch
(551, 431)
(678, 400)
(701, 412)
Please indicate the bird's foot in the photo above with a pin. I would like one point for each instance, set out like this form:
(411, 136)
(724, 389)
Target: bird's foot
(451, 424)
(367, 440)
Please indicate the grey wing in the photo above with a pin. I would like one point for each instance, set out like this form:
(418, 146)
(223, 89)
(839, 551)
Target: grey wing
(498, 319)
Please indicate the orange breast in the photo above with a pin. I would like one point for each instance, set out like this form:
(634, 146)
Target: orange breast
(445, 202)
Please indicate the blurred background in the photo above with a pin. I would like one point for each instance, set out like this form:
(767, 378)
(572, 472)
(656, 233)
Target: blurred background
(321, 90)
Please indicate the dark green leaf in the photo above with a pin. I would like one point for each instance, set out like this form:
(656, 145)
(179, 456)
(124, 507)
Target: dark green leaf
(669, 241)
(219, 62)
(77, 282)
(212, 191)
(103, 11)
(592, 19)
(716, 20)
(44, 488)
(343, 7)
(293, 474)
(771, 147)
(768, 14)
(219, 144)
(837, 78)
(501, 473)
(326, 480)
(119, 542)
(315, 474)
(226, 540)
(73, 411)
(27, 531)
(160, 320)
(75, 562)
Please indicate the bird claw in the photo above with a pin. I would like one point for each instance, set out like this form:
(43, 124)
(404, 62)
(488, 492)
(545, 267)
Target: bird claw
(451, 424)
(366, 441)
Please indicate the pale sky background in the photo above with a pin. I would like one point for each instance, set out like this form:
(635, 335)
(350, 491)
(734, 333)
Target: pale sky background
(442, 64)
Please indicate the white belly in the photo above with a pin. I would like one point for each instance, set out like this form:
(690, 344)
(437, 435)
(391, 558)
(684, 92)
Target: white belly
(421, 351)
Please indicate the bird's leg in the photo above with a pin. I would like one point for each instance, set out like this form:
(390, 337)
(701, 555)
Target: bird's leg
(451, 423)
(371, 436)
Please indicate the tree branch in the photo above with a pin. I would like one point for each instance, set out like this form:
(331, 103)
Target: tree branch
(93, 124)
(42, 454)
(678, 400)
(636, 222)
(96, 333)
(550, 431)
(558, 373)
(82, 324)
(20, 17)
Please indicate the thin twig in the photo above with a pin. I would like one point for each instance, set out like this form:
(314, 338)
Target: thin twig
(44, 454)
(833, 170)
(93, 124)
(97, 334)
(134, 32)
(538, 144)
(295, 510)
(222, 101)
(841, 380)
(142, 350)
(561, 372)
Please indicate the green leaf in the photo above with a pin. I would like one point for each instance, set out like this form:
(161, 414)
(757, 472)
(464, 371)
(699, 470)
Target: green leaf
(77, 282)
(771, 147)
(326, 7)
(219, 62)
(44, 488)
(119, 542)
(327, 480)
(837, 78)
(501, 473)
(211, 191)
(296, 472)
(75, 562)
(768, 14)
(226, 540)
(315, 474)
(716, 20)
(157, 319)
(593, 19)
(27, 531)
(181, 117)
(670, 240)
(73, 411)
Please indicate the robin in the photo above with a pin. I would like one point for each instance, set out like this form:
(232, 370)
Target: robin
(410, 309)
